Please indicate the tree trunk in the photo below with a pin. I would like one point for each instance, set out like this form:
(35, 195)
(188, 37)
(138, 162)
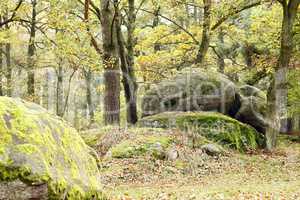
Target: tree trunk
(89, 95)
(8, 69)
(221, 62)
(195, 13)
(46, 83)
(31, 54)
(277, 94)
(8, 74)
(1, 69)
(204, 45)
(111, 62)
(157, 46)
(296, 123)
(127, 63)
(187, 20)
(60, 90)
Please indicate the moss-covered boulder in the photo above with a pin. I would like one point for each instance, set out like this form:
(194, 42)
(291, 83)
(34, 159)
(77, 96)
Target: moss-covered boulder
(141, 145)
(215, 126)
(191, 91)
(41, 157)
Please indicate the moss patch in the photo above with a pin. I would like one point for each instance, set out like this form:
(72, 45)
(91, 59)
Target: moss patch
(37, 147)
(214, 126)
(141, 146)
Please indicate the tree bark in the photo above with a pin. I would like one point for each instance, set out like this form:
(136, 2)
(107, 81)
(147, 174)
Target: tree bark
(1, 69)
(60, 90)
(31, 54)
(111, 62)
(221, 62)
(296, 123)
(196, 17)
(277, 94)
(127, 63)
(157, 46)
(8, 73)
(45, 94)
(89, 95)
(204, 45)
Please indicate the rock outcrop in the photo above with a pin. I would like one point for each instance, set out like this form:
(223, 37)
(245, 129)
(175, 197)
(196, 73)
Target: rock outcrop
(41, 157)
(207, 91)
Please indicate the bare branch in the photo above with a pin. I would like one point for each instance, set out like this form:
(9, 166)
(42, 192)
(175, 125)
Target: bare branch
(14, 12)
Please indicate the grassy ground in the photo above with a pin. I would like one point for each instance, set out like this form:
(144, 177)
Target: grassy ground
(195, 175)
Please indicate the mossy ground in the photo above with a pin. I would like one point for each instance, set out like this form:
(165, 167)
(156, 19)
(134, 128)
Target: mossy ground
(140, 146)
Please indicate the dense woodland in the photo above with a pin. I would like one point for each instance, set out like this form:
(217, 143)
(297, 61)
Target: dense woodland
(92, 62)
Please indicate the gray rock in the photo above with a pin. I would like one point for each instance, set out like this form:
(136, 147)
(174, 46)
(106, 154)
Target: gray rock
(212, 149)
(207, 91)
(172, 154)
(253, 107)
(196, 91)
(157, 151)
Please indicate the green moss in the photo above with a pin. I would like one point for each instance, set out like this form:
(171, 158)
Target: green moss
(141, 146)
(214, 126)
(92, 137)
(43, 148)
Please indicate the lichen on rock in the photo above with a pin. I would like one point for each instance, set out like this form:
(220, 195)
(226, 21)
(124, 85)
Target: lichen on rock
(39, 148)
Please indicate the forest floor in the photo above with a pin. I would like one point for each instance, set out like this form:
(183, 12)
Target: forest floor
(254, 175)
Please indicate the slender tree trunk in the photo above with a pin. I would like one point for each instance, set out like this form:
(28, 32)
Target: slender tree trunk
(8, 74)
(89, 95)
(127, 63)
(31, 54)
(196, 18)
(204, 45)
(296, 123)
(46, 83)
(128, 80)
(60, 90)
(277, 94)
(1, 69)
(111, 62)
(248, 52)
(187, 21)
(76, 121)
(8, 69)
(157, 46)
(221, 62)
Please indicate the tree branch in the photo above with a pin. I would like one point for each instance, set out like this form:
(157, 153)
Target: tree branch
(94, 43)
(173, 22)
(234, 12)
(11, 19)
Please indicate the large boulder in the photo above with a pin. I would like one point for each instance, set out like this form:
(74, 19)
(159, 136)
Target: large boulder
(214, 126)
(253, 107)
(41, 157)
(191, 91)
(207, 91)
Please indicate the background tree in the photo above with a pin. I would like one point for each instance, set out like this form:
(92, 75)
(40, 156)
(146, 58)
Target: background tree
(278, 91)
